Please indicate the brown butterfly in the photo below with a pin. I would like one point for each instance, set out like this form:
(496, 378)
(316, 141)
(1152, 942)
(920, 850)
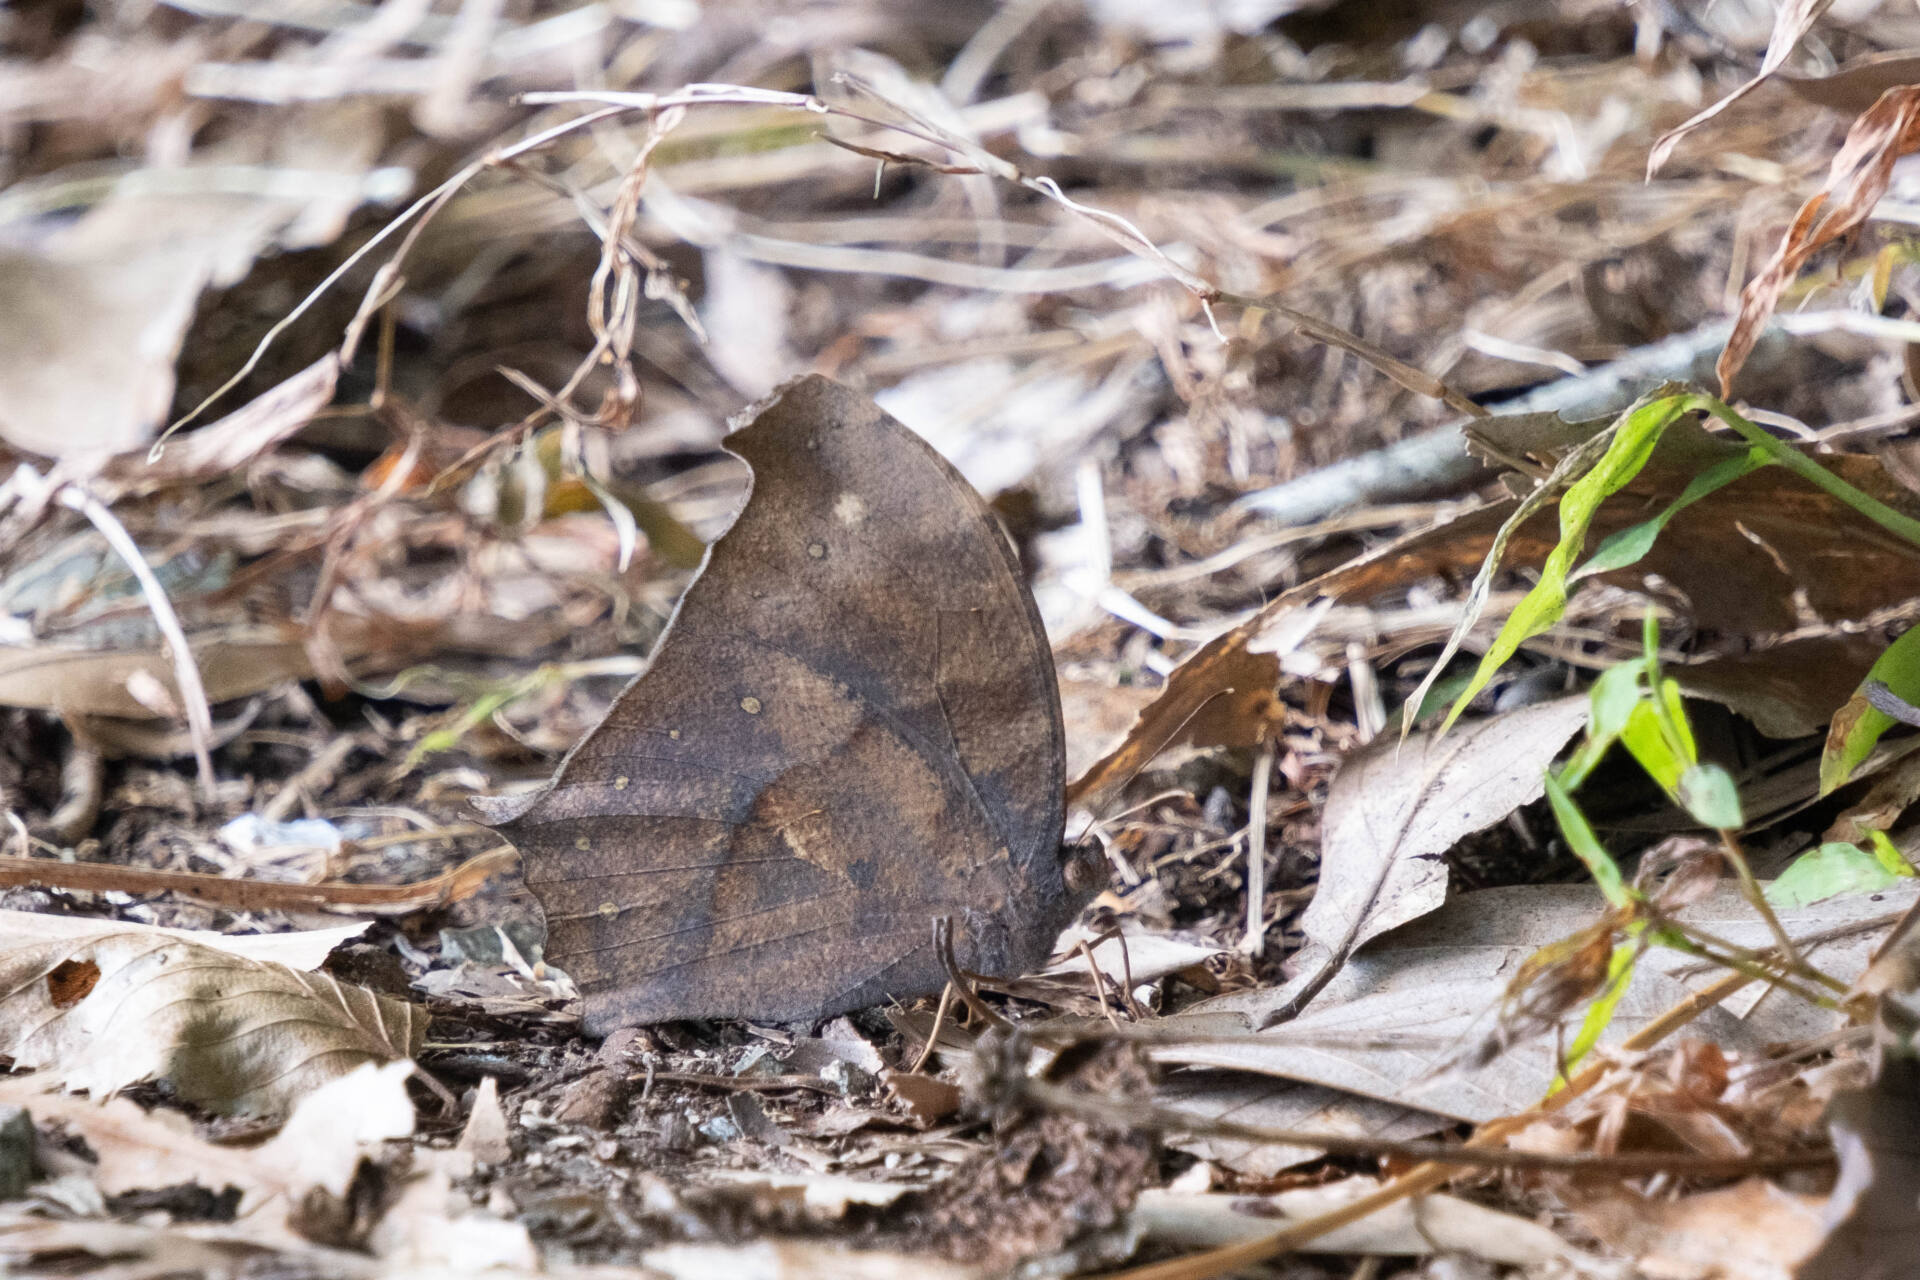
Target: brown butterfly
(850, 729)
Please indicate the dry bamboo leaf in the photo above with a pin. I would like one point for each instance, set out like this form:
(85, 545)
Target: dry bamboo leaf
(1856, 180)
(94, 683)
(233, 1034)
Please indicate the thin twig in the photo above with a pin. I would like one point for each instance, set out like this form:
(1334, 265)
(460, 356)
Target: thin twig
(1136, 1114)
(186, 668)
(1256, 939)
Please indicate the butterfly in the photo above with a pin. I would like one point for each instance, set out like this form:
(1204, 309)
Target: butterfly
(849, 730)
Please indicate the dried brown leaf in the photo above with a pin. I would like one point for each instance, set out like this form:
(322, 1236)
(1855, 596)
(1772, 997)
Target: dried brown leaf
(1389, 1023)
(233, 1034)
(1856, 180)
(1856, 84)
(1750, 1231)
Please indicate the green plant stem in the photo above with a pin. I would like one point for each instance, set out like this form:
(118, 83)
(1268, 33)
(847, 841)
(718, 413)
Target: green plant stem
(1750, 890)
(1809, 470)
(1758, 967)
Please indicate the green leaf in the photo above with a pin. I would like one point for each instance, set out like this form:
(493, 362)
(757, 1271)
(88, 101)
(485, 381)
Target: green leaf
(1587, 847)
(1857, 726)
(1633, 443)
(1708, 794)
(1648, 740)
(1629, 545)
(1829, 871)
(1600, 1012)
(1888, 856)
(1611, 700)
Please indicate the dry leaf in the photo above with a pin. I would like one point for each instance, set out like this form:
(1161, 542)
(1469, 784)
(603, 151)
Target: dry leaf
(1280, 1104)
(1856, 180)
(1394, 808)
(1402, 1009)
(1752, 1230)
(1409, 1228)
(301, 949)
(485, 1137)
(320, 1145)
(93, 317)
(797, 1260)
(233, 1034)
(1791, 21)
(1856, 84)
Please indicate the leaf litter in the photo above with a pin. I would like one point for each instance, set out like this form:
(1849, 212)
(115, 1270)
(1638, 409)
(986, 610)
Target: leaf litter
(415, 562)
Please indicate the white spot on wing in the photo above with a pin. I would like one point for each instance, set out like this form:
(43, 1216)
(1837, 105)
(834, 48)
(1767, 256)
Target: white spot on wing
(850, 509)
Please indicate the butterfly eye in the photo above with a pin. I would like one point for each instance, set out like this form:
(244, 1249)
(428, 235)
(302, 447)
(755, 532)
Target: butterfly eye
(1084, 870)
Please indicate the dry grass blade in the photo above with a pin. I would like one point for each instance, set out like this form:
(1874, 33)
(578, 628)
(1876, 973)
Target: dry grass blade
(1855, 182)
(1793, 20)
(120, 1007)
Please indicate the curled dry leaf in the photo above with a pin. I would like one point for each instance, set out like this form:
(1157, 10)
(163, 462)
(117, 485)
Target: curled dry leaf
(230, 1033)
(1858, 177)
(1791, 21)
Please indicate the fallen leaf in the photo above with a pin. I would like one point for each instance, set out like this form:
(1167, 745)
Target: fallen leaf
(301, 949)
(434, 1230)
(230, 444)
(1402, 1009)
(849, 730)
(1752, 1230)
(1135, 954)
(321, 1144)
(1857, 84)
(94, 316)
(1410, 1228)
(1280, 1104)
(927, 1099)
(1394, 808)
(796, 1260)
(233, 1034)
(1857, 178)
(1224, 694)
(1745, 558)
(94, 682)
(334, 1126)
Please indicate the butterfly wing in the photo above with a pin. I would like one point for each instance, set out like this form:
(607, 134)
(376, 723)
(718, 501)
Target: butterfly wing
(849, 728)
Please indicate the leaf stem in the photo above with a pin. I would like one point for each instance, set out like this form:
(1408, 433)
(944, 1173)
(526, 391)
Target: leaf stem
(1807, 469)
